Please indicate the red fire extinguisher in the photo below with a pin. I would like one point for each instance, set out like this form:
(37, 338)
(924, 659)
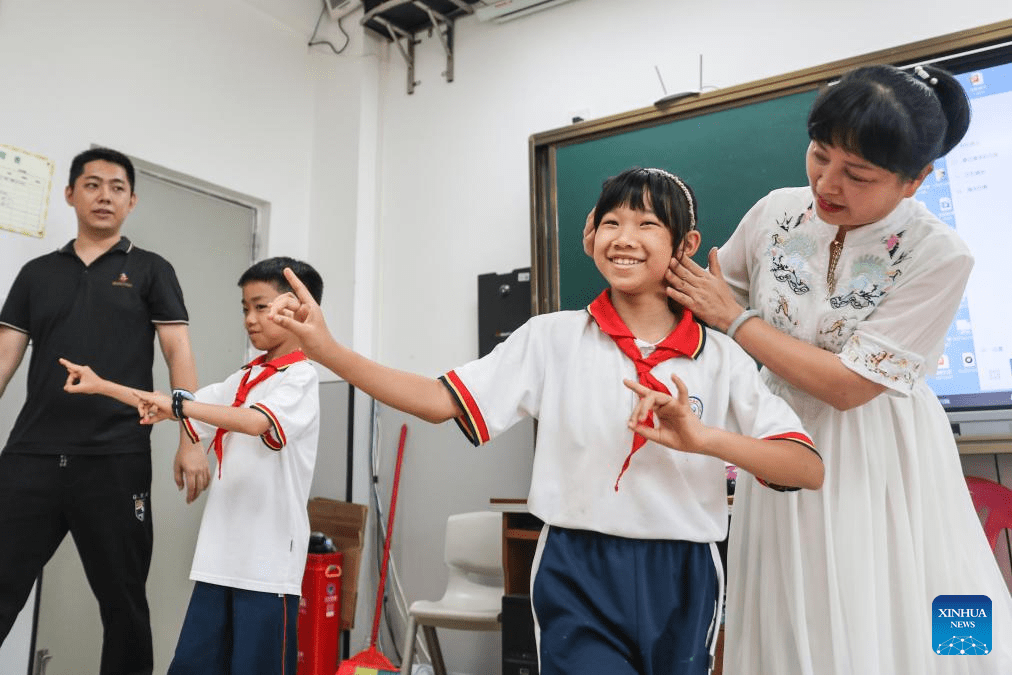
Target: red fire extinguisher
(320, 614)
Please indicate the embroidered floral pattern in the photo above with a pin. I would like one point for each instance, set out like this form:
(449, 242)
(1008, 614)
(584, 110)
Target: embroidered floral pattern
(835, 328)
(783, 308)
(869, 279)
(874, 359)
(788, 256)
(788, 222)
(834, 331)
(892, 244)
(781, 272)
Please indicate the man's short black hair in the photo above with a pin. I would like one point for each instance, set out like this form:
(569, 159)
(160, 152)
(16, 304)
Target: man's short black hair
(272, 271)
(103, 154)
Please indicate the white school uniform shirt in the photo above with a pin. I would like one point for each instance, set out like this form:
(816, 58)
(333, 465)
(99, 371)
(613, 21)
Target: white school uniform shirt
(254, 533)
(561, 369)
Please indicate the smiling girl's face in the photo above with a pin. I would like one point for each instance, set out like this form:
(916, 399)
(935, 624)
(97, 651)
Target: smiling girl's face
(632, 249)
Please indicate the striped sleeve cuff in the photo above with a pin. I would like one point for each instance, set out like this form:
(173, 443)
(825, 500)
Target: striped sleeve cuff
(797, 438)
(471, 422)
(274, 438)
(191, 433)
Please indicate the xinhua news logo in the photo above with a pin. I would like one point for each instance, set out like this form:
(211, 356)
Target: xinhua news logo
(961, 625)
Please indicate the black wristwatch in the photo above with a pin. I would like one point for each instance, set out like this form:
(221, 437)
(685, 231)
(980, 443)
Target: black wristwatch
(178, 396)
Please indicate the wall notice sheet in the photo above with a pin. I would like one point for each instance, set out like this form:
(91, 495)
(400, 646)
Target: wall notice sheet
(25, 183)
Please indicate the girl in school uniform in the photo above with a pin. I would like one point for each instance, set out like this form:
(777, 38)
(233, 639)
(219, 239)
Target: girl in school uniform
(844, 291)
(626, 579)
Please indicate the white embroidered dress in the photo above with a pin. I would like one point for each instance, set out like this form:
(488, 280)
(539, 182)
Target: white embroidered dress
(840, 581)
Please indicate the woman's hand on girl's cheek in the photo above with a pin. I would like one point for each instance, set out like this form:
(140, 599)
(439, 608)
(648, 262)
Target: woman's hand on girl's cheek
(702, 291)
(588, 234)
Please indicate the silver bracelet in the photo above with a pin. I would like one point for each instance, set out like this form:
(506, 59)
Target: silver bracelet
(742, 318)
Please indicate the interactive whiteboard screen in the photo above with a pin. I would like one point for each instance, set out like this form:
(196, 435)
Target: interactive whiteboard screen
(971, 190)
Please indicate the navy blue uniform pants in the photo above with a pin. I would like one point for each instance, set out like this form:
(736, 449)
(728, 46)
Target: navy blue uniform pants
(231, 631)
(609, 605)
(104, 502)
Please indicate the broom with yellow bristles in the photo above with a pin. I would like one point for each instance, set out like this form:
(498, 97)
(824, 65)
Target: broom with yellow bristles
(371, 661)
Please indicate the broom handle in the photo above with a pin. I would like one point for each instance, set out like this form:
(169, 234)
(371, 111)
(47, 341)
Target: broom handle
(386, 542)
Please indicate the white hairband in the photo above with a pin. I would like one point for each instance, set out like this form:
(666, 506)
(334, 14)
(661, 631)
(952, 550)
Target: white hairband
(925, 75)
(685, 189)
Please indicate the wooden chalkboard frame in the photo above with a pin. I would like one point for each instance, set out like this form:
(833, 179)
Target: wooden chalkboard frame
(543, 147)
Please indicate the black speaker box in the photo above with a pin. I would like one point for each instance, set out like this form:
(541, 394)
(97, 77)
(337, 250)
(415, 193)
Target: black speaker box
(504, 304)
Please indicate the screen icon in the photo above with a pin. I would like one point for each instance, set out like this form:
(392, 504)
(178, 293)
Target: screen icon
(969, 360)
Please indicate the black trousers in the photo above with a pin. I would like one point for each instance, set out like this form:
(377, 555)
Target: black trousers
(104, 502)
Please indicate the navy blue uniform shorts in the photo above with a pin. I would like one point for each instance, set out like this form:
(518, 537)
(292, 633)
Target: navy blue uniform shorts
(230, 631)
(616, 606)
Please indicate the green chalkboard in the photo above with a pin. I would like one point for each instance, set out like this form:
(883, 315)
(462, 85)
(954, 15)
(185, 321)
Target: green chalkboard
(731, 158)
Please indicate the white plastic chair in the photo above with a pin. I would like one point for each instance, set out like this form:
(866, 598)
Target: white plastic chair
(474, 590)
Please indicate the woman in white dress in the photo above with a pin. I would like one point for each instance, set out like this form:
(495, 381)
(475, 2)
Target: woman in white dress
(850, 287)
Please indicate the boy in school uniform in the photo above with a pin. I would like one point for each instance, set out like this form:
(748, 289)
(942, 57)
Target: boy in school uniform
(626, 578)
(262, 423)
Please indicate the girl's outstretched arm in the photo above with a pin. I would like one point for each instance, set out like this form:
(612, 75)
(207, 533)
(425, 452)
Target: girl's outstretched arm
(780, 462)
(417, 395)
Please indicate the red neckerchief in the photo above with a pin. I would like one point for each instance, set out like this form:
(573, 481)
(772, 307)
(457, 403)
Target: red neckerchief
(686, 339)
(270, 368)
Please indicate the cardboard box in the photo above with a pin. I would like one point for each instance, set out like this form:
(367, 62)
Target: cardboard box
(344, 523)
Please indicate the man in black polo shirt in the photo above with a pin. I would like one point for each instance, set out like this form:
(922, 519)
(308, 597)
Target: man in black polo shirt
(83, 463)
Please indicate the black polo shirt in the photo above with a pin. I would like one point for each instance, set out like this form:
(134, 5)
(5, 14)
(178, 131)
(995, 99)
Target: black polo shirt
(104, 316)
